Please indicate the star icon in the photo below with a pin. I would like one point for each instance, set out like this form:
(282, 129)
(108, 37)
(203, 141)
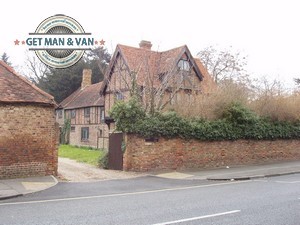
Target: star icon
(102, 42)
(17, 42)
(23, 42)
(96, 42)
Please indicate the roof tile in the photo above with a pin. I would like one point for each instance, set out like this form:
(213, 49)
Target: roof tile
(86, 97)
(147, 63)
(16, 88)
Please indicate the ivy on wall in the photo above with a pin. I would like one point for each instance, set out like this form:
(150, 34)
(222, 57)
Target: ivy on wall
(65, 132)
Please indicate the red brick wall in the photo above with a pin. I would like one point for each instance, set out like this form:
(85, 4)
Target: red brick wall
(28, 140)
(183, 154)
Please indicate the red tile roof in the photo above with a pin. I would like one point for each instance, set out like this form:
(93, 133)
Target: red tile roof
(15, 88)
(86, 97)
(145, 61)
(68, 99)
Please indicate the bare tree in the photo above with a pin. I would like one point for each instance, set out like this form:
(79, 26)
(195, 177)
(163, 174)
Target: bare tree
(156, 82)
(224, 64)
(273, 100)
(266, 88)
(297, 81)
(34, 69)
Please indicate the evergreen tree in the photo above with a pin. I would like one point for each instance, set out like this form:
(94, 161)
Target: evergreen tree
(5, 58)
(60, 83)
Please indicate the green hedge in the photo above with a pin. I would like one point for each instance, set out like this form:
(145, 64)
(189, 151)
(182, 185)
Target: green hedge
(237, 122)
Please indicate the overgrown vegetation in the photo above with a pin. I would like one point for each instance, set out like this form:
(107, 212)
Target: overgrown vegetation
(267, 99)
(235, 122)
(103, 161)
(65, 132)
(238, 108)
(211, 106)
(81, 154)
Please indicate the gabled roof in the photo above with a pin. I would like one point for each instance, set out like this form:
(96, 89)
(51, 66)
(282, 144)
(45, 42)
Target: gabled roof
(68, 99)
(157, 62)
(86, 97)
(15, 88)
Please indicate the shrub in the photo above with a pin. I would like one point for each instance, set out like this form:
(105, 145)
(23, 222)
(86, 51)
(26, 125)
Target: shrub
(126, 114)
(282, 108)
(210, 106)
(237, 122)
(238, 114)
(103, 161)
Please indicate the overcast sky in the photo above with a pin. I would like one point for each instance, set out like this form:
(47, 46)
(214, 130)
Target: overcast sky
(266, 31)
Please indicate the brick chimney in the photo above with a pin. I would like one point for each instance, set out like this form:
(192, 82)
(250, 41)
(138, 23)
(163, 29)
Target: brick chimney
(145, 45)
(86, 78)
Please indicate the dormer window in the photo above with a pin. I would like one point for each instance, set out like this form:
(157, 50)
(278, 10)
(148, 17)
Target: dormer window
(184, 65)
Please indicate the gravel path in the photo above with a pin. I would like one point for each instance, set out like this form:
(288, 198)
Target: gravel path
(72, 171)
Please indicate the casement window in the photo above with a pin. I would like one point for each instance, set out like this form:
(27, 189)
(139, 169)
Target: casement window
(85, 134)
(72, 129)
(73, 113)
(184, 65)
(102, 115)
(119, 96)
(60, 113)
(86, 112)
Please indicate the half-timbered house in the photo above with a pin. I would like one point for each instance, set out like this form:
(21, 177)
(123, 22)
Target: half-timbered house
(160, 79)
(84, 109)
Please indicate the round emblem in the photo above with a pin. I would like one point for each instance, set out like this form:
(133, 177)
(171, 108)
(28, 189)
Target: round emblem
(56, 26)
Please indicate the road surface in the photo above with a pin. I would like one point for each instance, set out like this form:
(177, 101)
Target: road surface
(153, 200)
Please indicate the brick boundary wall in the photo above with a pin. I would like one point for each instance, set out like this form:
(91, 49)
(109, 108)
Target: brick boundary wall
(187, 154)
(28, 140)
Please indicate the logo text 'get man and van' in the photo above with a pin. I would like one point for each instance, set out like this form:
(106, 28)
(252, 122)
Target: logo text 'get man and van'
(60, 41)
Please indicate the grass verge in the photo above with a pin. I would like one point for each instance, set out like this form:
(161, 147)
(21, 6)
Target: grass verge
(80, 154)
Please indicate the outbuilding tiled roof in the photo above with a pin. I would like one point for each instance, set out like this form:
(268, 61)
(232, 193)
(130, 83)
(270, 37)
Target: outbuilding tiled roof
(15, 88)
(86, 97)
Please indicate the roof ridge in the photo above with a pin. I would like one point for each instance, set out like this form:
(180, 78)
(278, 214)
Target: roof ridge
(95, 83)
(172, 49)
(25, 80)
(138, 48)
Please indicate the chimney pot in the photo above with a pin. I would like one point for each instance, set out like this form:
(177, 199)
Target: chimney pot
(86, 78)
(145, 44)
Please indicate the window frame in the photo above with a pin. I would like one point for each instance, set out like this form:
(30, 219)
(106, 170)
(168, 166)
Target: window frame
(85, 133)
(102, 114)
(184, 65)
(73, 113)
(87, 112)
(119, 96)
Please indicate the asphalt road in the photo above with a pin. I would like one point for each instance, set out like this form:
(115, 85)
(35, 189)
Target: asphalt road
(151, 200)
